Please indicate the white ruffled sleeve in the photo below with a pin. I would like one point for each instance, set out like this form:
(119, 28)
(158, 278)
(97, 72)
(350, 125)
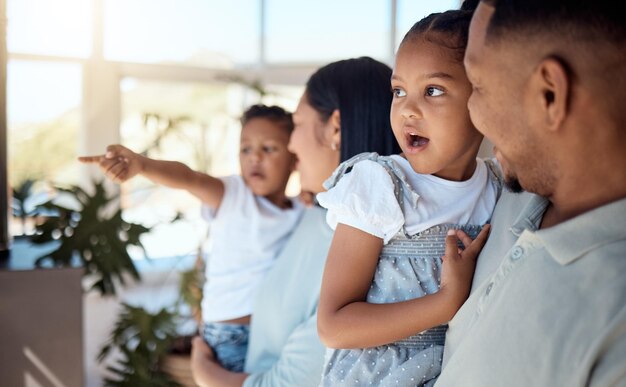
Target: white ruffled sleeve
(364, 199)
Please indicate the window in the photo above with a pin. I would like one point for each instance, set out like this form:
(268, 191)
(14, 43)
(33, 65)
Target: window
(216, 34)
(326, 30)
(44, 27)
(158, 60)
(43, 112)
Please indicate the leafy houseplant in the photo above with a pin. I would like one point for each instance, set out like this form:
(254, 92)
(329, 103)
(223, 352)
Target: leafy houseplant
(153, 353)
(85, 234)
(21, 195)
(143, 339)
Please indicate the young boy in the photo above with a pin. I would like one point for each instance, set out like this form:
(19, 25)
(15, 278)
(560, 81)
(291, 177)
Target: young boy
(251, 218)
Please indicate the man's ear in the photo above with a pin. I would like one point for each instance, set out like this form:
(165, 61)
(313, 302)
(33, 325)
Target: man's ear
(553, 86)
(335, 123)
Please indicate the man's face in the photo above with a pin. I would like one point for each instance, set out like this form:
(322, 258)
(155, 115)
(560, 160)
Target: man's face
(496, 104)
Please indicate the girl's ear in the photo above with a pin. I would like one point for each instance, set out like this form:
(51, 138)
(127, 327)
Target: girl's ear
(335, 125)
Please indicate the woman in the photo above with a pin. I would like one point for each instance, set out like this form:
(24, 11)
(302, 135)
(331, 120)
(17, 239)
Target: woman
(344, 111)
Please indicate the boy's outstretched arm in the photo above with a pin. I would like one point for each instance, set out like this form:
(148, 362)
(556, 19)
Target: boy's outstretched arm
(120, 164)
(346, 320)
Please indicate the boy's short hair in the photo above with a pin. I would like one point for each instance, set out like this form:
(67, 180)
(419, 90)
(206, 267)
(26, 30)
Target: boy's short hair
(275, 114)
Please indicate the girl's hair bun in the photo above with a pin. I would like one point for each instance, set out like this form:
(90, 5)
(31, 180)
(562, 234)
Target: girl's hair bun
(469, 5)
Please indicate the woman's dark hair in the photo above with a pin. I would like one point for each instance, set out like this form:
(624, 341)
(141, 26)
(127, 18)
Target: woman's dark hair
(449, 29)
(275, 114)
(359, 89)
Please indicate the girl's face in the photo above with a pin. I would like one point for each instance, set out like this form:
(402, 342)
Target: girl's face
(429, 114)
(311, 143)
(266, 164)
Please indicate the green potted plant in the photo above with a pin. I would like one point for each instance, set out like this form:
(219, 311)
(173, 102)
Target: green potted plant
(151, 351)
(22, 194)
(143, 338)
(177, 361)
(87, 237)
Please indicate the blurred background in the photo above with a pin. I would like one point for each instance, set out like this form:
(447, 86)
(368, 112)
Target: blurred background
(169, 78)
(82, 74)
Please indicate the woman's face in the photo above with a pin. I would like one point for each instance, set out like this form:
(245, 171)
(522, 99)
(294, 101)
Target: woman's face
(311, 143)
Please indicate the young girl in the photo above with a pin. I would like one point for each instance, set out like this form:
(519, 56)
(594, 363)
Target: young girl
(386, 296)
(251, 220)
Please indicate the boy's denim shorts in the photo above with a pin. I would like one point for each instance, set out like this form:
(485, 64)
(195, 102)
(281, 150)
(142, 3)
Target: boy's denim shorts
(229, 343)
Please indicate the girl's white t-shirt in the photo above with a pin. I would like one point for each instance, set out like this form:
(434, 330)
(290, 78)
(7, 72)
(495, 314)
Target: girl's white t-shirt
(364, 199)
(246, 234)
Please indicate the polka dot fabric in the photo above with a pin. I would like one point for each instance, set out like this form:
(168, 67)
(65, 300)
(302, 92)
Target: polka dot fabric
(409, 267)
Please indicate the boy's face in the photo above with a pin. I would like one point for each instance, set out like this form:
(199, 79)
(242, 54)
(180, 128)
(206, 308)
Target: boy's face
(265, 161)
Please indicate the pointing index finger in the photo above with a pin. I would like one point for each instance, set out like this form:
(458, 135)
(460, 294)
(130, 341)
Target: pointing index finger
(90, 159)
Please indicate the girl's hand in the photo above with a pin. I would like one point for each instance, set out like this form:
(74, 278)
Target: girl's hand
(118, 163)
(458, 267)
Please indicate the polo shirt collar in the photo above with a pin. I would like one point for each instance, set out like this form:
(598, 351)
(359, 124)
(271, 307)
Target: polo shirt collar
(530, 216)
(570, 240)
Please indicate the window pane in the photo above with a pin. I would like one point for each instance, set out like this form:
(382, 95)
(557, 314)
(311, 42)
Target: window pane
(43, 108)
(283, 95)
(194, 123)
(194, 32)
(60, 27)
(411, 11)
(326, 30)
(43, 111)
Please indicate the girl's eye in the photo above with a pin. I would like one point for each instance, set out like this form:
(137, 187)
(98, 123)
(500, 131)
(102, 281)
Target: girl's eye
(398, 92)
(433, 91)
(245, 150)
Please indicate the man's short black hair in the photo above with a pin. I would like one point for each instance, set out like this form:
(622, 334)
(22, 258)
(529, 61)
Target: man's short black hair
(589, 20)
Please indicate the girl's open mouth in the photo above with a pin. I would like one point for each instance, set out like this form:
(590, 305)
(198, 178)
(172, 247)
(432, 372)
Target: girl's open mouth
(415, 141)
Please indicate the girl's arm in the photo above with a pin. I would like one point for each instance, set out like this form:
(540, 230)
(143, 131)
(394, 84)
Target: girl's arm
(346, 320)
(120, 164)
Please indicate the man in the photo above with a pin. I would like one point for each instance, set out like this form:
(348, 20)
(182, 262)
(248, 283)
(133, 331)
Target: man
(548, 306)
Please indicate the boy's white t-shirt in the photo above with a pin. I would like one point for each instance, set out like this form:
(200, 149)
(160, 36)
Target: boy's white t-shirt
(246, 234)
(364, 199)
